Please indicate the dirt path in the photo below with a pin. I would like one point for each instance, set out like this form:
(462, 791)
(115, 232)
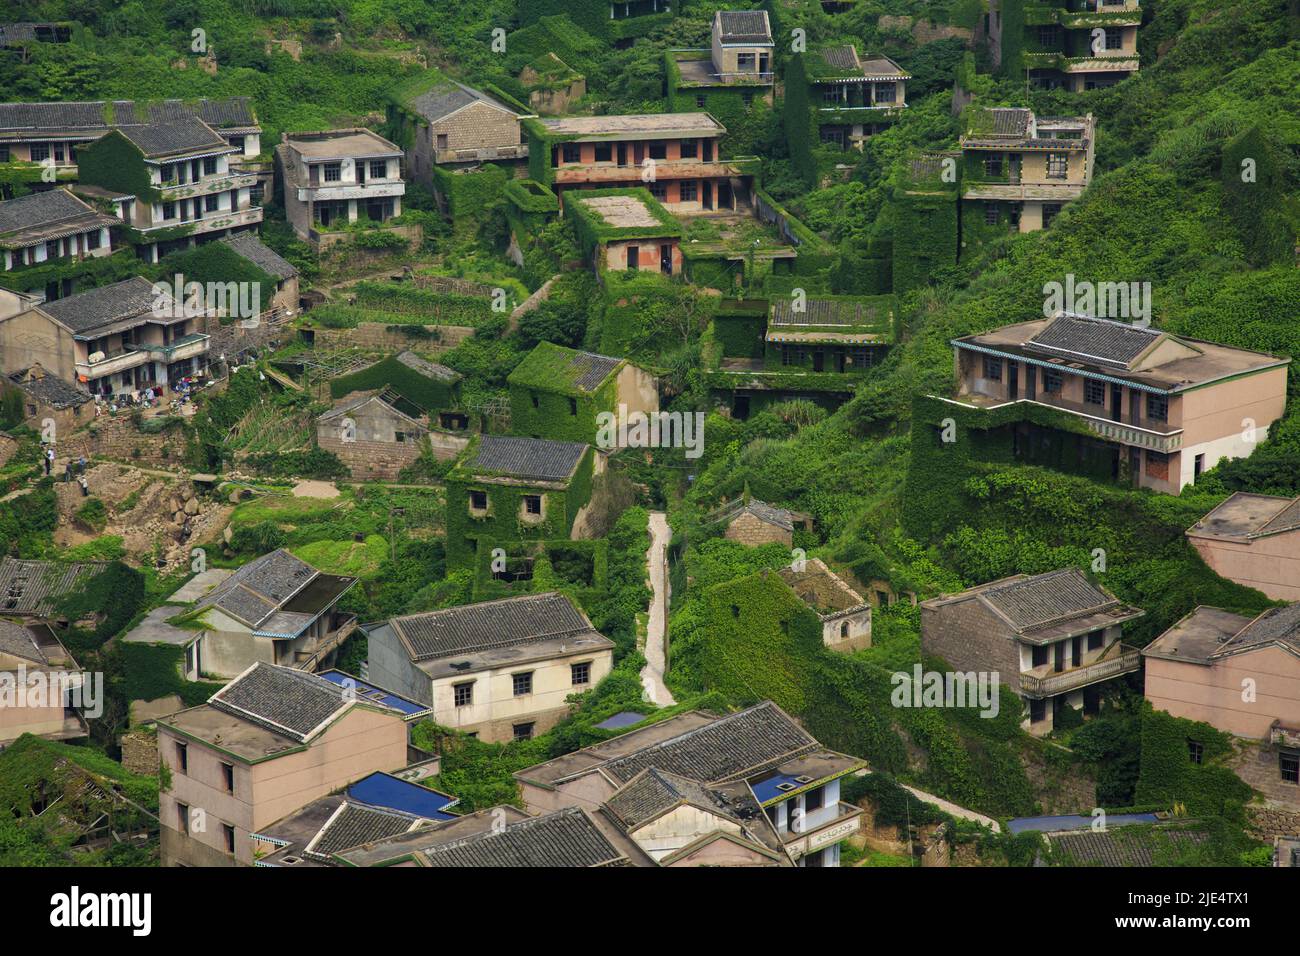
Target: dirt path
(652, 675)
(951, 808)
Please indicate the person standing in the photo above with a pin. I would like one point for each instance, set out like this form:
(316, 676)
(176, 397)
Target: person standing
(85, 488)
(82, 464)
(49, 460)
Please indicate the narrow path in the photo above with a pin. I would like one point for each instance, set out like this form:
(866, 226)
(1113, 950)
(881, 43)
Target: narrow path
(652, 675)
(952, 809)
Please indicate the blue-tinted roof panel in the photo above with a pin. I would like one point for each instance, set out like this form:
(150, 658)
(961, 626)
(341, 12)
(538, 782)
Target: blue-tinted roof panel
(625, 718)
(374, 694)
(387, 791)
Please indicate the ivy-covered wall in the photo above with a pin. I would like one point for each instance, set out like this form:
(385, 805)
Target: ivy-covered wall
(556, 411)
(800, 124)
(1256, 198)
(594, 16)
(428, 393)
(739, 328)
(925, 238)
(1168, 775)
(114, 162)
(746, 123)
(468, 534)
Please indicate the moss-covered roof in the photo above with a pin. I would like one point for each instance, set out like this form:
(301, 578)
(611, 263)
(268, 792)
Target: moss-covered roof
(554, 368)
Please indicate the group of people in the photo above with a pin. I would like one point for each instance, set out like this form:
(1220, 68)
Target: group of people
(79, 465)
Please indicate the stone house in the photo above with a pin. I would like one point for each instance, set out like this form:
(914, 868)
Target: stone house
(853, 97)
(48, 398)
(498, 670)
(1253, 540)
(626, 230)
(1051, 638)
(271, 741)
(376, 439)
(753, 522)
(36, 666)
(35, 590)
(457, 125)
(845, 614)
(739, 61)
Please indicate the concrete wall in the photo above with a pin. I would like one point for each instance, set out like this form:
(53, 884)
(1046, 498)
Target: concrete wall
(495, 708)
(679, 827)
(851, 633)
(637, 389)
(1269, 564)
(1213, 693)
(616, 255)
(31, 337)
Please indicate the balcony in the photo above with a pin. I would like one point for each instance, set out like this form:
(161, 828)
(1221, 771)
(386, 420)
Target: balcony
(209, 222)
(111, 364)
(1280, 736)
(1020, 192)
(312, 653)
(1162, 440)
(371, 189)
(1116, 660)
(187, 346)
(225, 182)
(483, 155)
(1107, 61)
(663, 169)
(843, 825)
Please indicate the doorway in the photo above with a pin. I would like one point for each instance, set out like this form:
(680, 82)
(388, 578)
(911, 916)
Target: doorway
(666, 259)
(1013, 380)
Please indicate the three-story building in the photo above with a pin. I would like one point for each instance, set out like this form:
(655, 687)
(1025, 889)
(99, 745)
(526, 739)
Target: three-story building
(333, 178)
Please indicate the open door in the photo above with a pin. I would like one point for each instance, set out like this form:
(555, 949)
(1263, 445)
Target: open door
(706, 194)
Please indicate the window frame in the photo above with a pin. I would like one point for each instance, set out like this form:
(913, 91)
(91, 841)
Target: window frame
(521, 679)
(583, 667)
(467, 687)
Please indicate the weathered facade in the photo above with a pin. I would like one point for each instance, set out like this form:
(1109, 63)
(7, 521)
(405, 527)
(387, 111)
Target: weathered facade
(457, 125)
(1253, 540)
(334, 177)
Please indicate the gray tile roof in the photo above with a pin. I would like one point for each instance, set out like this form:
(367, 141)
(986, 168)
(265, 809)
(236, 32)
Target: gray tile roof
(537, 458)
(52, 210)
(428, 369)
(492, 624)
(842, 57)
(281, 699)
(174, 137)
(49, 389)
(1098, 340)
(1132, 845)
(87, 311)
(1277, 625)
(565, 838)
(1043, 599)
(97, 117)
(727, 748)
(37, 587)
(656, 791)
(836, 312)
(14, 33)
(447, 98)
(260, 254)
(17, 641)
(1010, 121)
(770, 514)
(744, 26)
(259, 588)
(354, 825)
(587, 370)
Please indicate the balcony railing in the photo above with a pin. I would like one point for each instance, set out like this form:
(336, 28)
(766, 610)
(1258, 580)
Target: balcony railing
(370, 189)
(208, 222)
(1046, 192)
(663, 168)
(309, 658)
(209, 184)
(111, 364)
(479, 155)
(1125, 661)
(1105, 61)
(845, 823)
(1164, 442)
(187, 346)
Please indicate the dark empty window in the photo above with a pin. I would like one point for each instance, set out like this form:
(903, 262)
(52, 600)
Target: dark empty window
(183, 816)
(1114, 38)
(659, 150)
(699, 100)
(228, 777)
(533, 504)
(182, 758)
(1053, 381)
(690, 147)
(1195, 751)
(1095, 640)
(1158, 407)
(379, 169)
(993, 165)
(533, 396)
(604, 152)
(1094, 393)
(478, 500)
(745, 61)
(463, 694)
(990, 214)
(992, 368)
(522, 683)
(229, 833)
(1289, 765)
(1037, 710)
(1039, 655)
(1050, 211)
(689, 191)
(572, 153)
(747, 97)
(573, 406)
(844, 629)
(581, 673)
(523, 731)
(813, 799)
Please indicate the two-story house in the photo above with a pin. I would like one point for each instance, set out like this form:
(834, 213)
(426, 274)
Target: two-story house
(852, 97)
(738, 65)
(49, 133)
(508, 488)
(1253, 540)
(626, 229)
(335, 177)
(271, 741)
(500, 670)
(1019, 170)
(113, 340)
(829, 333)
(1051, 638)
(177, 174)
(1241, 675)
(53, 227)
(456, 126)
(751, 788)
(673, 155)
(1075, 45)
(1161, 408)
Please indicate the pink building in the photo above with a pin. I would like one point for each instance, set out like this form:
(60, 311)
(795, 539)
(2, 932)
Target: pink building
(1253, 540)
